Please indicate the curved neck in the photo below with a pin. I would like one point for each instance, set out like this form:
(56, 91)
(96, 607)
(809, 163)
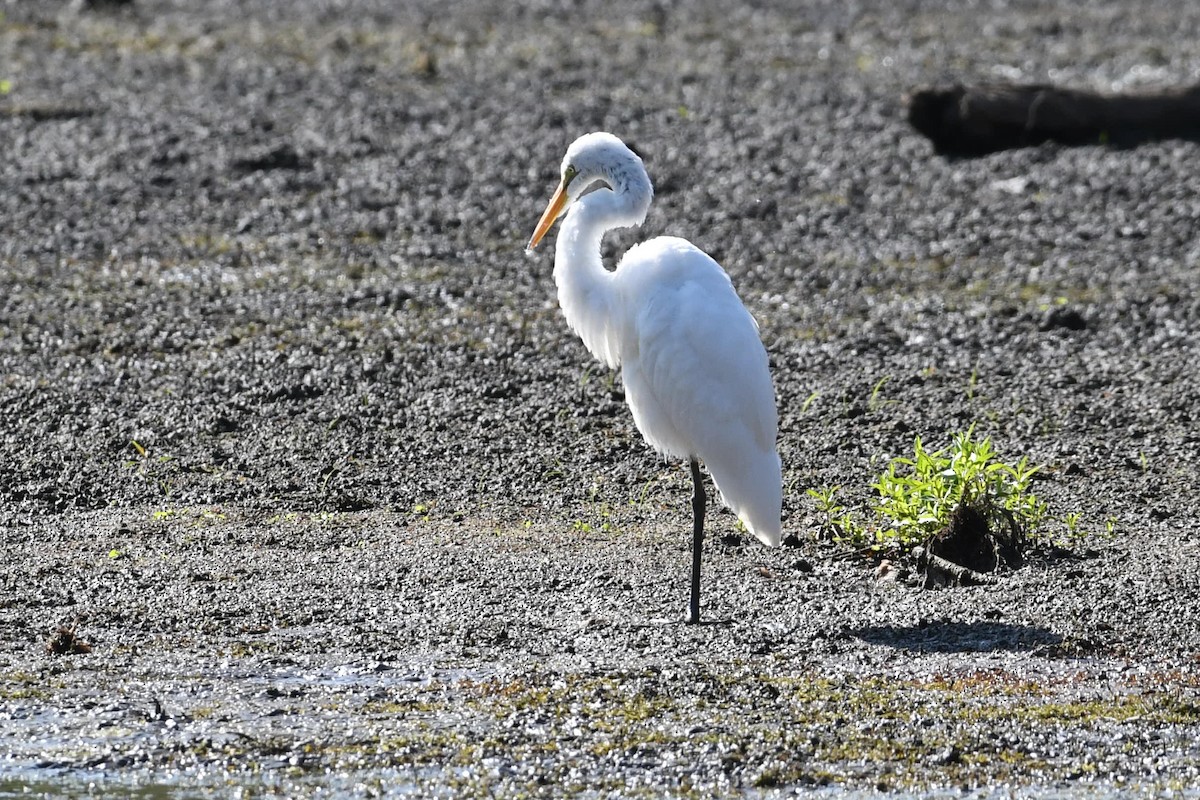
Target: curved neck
(585, 287)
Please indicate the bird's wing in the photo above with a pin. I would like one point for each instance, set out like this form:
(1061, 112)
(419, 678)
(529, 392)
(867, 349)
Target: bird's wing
(729, 375)
(703, 384)
(701, 355)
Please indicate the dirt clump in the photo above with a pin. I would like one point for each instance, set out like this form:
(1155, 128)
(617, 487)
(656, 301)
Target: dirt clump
(979, 540)
(65, 642)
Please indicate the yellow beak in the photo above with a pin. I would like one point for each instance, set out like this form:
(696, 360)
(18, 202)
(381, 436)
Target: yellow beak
(558, 204)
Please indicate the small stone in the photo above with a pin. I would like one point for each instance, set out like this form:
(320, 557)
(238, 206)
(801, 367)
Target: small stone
(950, 755)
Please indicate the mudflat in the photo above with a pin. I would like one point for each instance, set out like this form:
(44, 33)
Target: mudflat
(306, 488)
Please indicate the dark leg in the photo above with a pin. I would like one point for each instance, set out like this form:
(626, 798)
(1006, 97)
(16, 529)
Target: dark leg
(698, 499)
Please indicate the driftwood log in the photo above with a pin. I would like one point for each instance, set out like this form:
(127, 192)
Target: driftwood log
(974, 120)
(941, 572)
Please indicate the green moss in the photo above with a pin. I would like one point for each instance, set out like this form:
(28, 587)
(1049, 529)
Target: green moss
(749, 728)
(1158, 709)
(402, 707)
(874, 717)
(24, 685)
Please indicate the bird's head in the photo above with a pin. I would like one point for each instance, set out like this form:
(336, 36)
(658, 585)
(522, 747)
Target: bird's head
(591, 159)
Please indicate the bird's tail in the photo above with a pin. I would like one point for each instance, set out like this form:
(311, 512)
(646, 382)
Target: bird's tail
(753, 487)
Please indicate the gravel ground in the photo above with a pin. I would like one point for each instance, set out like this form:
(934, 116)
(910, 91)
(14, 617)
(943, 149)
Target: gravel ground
(296, 439)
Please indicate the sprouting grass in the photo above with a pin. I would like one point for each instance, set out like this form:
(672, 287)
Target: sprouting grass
(876, 401)
(837, 518)
(153, 469)
(422, 511)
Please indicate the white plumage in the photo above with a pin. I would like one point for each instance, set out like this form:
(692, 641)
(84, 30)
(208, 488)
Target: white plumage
(696, 374)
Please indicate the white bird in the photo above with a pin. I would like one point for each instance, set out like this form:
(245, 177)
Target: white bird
(696, 374)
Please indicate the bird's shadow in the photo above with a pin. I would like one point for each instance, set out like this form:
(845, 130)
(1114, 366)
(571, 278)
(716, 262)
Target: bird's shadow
(945, 636)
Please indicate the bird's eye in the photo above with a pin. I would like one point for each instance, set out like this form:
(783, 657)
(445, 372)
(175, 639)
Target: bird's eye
(569, 174)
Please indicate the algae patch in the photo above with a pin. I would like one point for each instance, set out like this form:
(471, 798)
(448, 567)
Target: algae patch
(715, 731)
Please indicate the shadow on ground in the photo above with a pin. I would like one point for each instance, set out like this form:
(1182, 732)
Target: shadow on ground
(942, 636)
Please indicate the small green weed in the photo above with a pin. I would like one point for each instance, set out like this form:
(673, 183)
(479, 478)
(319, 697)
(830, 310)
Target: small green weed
(602, 521)
(837, 521)
(154, 470)
(876, 401)
(918, 495)
(1073, 534)
(1071, 522)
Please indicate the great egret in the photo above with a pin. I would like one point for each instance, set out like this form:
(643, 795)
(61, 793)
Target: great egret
(696, 374)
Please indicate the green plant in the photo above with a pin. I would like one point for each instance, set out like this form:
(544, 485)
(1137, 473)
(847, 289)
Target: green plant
(876, 401)
(837, 523)
(917, 495)
(1074, 533)
(153, 470)
(1071, 522)
(609, 379)
(645, 490)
